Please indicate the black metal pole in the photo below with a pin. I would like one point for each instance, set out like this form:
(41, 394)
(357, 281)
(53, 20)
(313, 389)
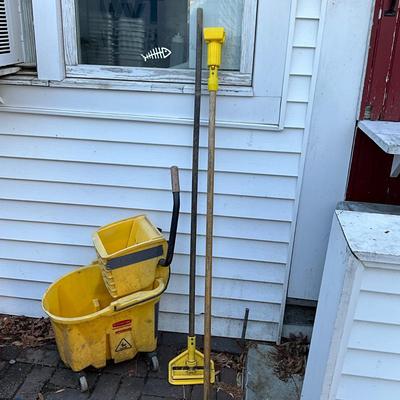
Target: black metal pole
(195, 170)
(244, 329)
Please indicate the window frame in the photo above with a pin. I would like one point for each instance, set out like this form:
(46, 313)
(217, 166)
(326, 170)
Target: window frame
(259, 106)
(28, 33)
(73, 69)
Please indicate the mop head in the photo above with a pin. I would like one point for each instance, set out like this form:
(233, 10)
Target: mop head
(183, 371)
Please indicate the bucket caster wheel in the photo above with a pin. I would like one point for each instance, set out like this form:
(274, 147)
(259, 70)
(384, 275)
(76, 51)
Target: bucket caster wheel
(154, 364)
(83, 383)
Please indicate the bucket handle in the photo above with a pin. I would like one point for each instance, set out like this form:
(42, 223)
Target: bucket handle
(175, 216)
(139, 297)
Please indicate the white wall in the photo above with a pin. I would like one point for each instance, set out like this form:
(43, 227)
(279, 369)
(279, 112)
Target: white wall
(331, 131)
(74, 159)
(336, 290)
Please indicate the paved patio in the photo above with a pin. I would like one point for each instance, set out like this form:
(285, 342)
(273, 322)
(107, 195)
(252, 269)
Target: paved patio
(38, 374)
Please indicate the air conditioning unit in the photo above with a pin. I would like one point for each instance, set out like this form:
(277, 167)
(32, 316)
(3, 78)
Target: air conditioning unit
(11, 51)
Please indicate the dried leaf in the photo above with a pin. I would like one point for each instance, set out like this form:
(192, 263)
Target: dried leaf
(235, 362)
(227, 360)
(233, 391)
(290, 357)
(24, 331)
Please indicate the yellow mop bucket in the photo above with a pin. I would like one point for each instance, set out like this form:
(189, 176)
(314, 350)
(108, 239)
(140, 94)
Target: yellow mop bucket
(91, 327)
(128, 254)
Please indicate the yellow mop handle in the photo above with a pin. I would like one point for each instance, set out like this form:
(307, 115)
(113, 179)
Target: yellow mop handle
(215, 38)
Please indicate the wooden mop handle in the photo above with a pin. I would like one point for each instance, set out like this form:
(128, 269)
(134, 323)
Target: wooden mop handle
(214, 38)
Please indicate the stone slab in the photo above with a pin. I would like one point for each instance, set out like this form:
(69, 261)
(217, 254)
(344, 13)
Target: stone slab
(3, 366)
(12, 379)
(40, 356)
(130, 388)
(67, 394)
(106, 387)
(136, 368)
(67, 379)
(34, 382)
(145, 397)
(197, 393)
(161, 387)
(10, 352)
(164, 357)
(262, 383)
(229, 376)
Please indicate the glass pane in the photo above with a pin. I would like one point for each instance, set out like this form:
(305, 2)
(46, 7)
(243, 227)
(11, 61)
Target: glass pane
(226, 13)
(153, 33)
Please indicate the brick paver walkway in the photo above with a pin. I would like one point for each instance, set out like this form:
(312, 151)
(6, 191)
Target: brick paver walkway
(38, 373)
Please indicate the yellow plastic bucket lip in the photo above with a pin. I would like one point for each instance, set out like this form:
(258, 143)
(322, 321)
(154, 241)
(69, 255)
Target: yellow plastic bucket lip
(103, 252)
(133, 299)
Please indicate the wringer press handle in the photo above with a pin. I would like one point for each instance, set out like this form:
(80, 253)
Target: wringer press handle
(175, 216)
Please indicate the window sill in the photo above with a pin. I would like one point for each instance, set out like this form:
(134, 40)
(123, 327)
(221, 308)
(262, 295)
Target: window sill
(106, 84)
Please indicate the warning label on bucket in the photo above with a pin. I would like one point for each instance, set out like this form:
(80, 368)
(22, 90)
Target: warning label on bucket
(123, 345)
(126, 323)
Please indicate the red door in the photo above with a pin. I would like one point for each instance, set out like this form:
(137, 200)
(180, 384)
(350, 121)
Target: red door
(370, 170)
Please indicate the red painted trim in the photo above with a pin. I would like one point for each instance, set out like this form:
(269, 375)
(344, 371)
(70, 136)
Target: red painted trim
(372, 57)
(382, 66)
(369, 178)
(391, 108)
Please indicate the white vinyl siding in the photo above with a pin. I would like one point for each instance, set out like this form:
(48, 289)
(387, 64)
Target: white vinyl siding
(74, 159)
(355, 349)
(373, 351)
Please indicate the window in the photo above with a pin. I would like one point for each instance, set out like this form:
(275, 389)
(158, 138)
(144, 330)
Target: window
(77, 48)
(154, 40)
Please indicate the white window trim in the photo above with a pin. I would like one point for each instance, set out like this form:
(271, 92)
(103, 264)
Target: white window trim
(262, 105)
(48, 40)
(242, 77)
